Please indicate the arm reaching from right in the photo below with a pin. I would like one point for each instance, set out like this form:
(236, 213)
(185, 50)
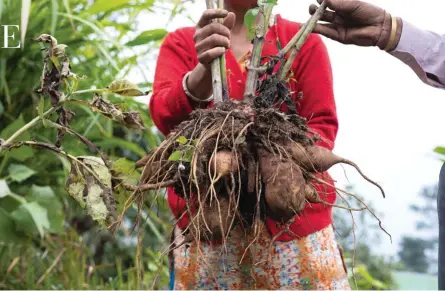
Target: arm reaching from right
(363, 24)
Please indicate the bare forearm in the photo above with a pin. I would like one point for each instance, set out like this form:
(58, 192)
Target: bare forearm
(199, 82)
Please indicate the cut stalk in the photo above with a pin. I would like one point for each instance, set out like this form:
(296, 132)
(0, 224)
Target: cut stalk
(297, 42)
(222, 61)
(217, 85)
(260, 33)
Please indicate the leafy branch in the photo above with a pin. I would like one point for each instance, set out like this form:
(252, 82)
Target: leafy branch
(91, 178)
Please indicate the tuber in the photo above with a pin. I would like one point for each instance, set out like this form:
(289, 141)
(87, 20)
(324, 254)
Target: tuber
(284, 186)
(223, 163)
(311, 194)
(214, 220)
(320, 159)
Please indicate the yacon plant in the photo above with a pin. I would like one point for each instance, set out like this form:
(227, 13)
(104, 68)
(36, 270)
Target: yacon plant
(92, 179)
(248, 160)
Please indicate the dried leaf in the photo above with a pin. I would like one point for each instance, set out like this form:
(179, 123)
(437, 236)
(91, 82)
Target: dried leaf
(125, 88)
(65, 116)
(93, 192)
(47, 39)
(65, 71)
(59, 50)
(131, 119)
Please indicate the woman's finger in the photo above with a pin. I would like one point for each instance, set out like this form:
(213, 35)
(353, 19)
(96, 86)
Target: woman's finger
(210, 14)
(213, 28)
(229, 21)
(208, 56)
(215, 40)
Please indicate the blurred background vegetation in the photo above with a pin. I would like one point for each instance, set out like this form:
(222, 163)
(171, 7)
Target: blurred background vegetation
(46, 241)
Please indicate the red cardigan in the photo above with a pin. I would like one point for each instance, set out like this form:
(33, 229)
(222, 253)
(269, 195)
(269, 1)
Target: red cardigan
(312, 71)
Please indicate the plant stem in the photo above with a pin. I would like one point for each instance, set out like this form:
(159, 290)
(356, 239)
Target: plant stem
(222, 60)
(252, 76)
(216, 69)
(298, 41)
(89, 91)
(26, 127)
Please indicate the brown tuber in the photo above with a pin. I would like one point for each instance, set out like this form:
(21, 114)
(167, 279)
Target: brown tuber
(213, 221)
(284, 184)
(223, 163)
(320, 159)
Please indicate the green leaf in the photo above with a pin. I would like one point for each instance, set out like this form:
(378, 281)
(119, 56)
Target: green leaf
(45, 197)
(267, 2)
(182, 140)
(105, 6)
(112, 142)
(4, 189)
(251, 34)
(26, 7)
(368, 277)
(41, 109)
(20, 173)
(124, 166)
(250, 16)
(22, 153)
(55, 9)
(125, 88)
(6, 193)
(440, 150)
(148, 36)
(175, 156)
(68, 11)
(188, 154)
(13, 127)
(30, 215)
(8, 232)
(2, 109)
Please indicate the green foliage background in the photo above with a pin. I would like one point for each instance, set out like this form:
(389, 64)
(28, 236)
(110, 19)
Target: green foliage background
(46, 242)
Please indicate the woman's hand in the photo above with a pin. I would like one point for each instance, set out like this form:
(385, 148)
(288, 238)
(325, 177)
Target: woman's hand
(212, 39)
(356, 22)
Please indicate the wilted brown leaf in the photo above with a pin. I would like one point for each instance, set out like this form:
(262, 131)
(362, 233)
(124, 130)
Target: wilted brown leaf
(92, 192)
(131, 119)
(125, 88)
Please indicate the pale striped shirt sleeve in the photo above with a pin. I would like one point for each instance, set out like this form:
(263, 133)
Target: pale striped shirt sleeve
(424, 52)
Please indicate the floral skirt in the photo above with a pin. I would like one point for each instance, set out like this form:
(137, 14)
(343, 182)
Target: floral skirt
(308, 263)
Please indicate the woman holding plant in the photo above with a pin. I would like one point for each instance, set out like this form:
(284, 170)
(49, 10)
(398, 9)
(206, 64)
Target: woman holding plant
(306, 256)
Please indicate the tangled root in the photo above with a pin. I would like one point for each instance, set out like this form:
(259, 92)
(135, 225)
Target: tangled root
(236, 163)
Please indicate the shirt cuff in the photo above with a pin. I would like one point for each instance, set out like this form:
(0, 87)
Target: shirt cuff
(414, 41)
(413, 48)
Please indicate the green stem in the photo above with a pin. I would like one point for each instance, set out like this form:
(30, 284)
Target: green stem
(222, 61)
(89, 91)
(252, 76)
(298, 41)
(26, 127)
(216, 69)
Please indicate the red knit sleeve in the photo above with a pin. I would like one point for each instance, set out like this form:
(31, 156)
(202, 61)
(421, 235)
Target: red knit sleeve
(313, 72)
(169, 105)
